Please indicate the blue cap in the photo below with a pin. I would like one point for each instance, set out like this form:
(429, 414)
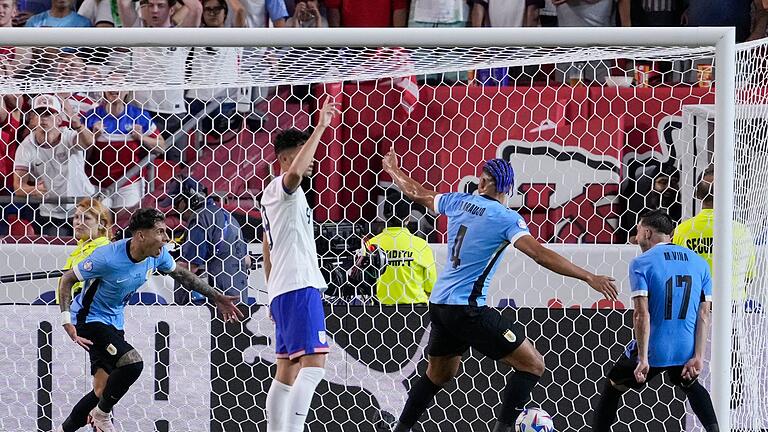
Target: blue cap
(502, 173)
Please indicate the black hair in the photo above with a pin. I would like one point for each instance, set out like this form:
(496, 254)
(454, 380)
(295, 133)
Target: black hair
(396, 213)
(659, 221)
(289, 139)
(145, 218)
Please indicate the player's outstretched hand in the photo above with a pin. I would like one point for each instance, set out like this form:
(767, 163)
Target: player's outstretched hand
(692, 368)
(641, 371)
(228, 309)
(72, 332)
(389, 163)
(328, 112)
(604, 285)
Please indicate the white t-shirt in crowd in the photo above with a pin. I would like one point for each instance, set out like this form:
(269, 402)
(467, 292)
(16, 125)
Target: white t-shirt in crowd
(438, 11)
(506, 13)
(60, 166)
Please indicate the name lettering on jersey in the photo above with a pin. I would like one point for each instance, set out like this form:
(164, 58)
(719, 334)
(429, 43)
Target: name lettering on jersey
(397, 258)
(700, 245)
(675, 256)
(472, 209)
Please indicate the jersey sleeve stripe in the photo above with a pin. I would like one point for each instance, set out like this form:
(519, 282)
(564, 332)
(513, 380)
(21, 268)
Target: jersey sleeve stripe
(79, 275)
(639, 293)
(708, 298)
(518, 236)
(437, 202)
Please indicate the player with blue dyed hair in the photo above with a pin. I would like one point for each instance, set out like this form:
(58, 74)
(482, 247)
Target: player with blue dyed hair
(480, 227)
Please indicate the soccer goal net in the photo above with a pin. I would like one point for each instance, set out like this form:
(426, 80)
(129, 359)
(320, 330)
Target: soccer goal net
(600, 126)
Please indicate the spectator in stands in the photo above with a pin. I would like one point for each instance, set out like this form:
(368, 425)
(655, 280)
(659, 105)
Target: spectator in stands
(307, 14)
(92, 224)
(655, 13)
(219, 111)
(410, 272)
(167, 107)
(376, 13)
(654, 189)
(11, 118)
(61, 14)
(260, 13)
(725, 13)
(50, 164)
(128, 135)
(216, 13)
(213, 244)
(102, 13)
(759, 20)
(8, 54)
(7, 12)
(497, 13)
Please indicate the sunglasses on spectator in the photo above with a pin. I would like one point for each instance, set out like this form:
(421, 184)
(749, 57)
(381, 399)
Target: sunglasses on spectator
(213, 10)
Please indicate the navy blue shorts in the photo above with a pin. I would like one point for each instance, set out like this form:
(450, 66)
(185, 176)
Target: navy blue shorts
(299, 323)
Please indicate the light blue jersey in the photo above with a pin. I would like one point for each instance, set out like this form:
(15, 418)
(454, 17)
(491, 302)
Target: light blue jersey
(675, 280)
(479, 229)
(110, 278)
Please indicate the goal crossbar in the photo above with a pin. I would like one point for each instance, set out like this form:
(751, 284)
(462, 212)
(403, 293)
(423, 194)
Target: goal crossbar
(364, 37)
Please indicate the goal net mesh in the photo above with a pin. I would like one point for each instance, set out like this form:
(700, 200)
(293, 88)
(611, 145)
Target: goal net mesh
(596, 137)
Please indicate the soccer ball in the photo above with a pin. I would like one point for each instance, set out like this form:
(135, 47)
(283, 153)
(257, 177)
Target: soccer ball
(534, 420)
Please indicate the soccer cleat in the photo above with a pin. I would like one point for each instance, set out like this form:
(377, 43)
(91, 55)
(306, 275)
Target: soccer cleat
(101, 421)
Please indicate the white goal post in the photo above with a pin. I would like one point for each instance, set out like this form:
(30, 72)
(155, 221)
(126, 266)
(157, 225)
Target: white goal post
(476, 48)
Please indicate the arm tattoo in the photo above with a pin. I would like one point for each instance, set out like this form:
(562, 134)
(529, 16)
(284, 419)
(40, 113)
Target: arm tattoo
(65, 290)
(190, 281)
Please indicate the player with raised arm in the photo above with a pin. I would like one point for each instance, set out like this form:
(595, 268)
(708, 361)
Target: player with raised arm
(480, 227)
(672, 296)
(110, 276)
(294, 280)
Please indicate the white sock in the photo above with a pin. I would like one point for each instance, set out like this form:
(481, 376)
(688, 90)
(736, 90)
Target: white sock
(301, 397)
(277, 406)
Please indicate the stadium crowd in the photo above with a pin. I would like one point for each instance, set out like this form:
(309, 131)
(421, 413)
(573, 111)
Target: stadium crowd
(82, 145)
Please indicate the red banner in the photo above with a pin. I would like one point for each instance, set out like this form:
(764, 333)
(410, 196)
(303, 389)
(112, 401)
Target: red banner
(568, 146)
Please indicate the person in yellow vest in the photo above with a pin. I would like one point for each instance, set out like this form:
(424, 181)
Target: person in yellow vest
(697, 234)
(410, 273)
(92, 228)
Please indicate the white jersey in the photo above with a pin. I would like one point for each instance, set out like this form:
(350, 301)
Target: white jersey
(293, 254)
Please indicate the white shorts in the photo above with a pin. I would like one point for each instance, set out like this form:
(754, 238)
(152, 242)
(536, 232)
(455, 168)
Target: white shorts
(127, 196)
